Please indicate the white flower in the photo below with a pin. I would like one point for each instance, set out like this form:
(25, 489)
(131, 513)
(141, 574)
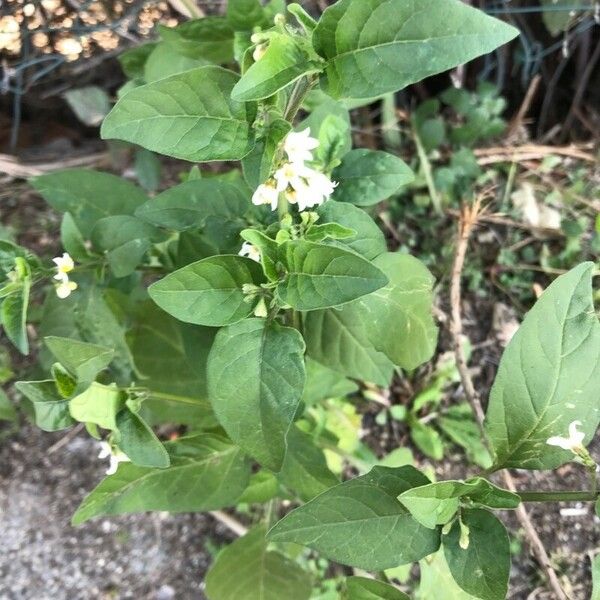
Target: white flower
(250, 251)
(303, 186)
(298, 146)
(574, 442)
(65, 287)
(64, 264)
(266, 193)
(116, 457)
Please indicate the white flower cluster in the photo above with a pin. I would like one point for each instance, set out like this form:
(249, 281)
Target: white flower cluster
(301, 184)
(64, 265)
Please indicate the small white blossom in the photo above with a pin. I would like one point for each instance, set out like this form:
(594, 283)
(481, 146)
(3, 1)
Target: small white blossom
(303, 186)
(299, 145)
(116, 457)
(574, 442)
(65, 287)
(250, 251)
(64, 264)
(266, 193)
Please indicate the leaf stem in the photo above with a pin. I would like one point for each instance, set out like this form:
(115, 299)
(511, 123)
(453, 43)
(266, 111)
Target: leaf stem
(559, 496)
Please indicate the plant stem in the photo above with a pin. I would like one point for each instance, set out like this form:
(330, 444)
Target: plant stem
(299, 91)
(558, 496)
(427, 172)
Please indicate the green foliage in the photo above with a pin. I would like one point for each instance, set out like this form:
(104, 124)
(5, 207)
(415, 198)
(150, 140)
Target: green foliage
(361, 588)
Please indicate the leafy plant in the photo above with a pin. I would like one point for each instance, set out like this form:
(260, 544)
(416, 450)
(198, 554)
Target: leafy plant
(235, 304)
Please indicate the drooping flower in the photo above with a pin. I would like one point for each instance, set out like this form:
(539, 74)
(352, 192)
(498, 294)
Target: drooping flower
(266, 193)
(574, 442)
(65, 287)
(250, 251)
(64, 264)
(116, 457)
(299, 145)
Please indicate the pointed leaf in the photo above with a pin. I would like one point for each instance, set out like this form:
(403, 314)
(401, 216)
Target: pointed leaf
(361, 588)
(99, 404)
(51, 410)
(81, 359)
(139, 442)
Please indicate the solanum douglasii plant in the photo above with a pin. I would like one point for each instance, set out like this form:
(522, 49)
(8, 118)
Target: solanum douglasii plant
(234, 303)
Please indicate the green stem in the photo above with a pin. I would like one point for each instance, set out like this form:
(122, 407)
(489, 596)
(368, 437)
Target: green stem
(559, 496)
(427, 172)
(299, 91)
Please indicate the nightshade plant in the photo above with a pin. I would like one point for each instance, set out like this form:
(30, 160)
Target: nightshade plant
(235, 303)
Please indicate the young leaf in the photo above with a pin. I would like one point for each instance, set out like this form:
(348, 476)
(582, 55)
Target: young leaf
(263, 486)
(88, 195)
(13, 316)
(81, 359)
(139, 442)
(323, 382)
(285, 61)
(51, 410)
(427, 440)
(255, 381)
(305, 469)
(360, 522)
(367, 177)
(244, 15)
(483, 568)
(369, 240)
(99, 404)
(189, 115)
(361, 588)
(133, 60)
(208, 292)
(436, 576)
(378, 46)
(549, 376)
(207, 472)
(189, 204)
(260, 573)
(321, 276)
(71, 238)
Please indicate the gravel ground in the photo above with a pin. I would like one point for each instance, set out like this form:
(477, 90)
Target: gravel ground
(42, 557)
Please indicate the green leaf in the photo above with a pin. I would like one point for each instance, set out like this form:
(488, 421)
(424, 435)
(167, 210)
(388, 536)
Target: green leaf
(90, 104)
(208, 292)
(557, 18)
(596, 577)
(367, 177)
(7, 410)
(165, 61)
(99, 404)
(244, 15)
(427, 440)
(378, 46)
(88, 195)
(322, 108)
(259, 573)
(549, 376)
(50, 409)
(285, 60)
(329, 231)
(189, 115)
(436, 503)
(361, 588)
(210, 38)
(360, 522)
(189, 204)
(333, 137)
(81, 359)
(133, 60)
(436, 576)
(255, 381)
(139, 442)
(72, 240)
(483, 568)
(147, 169)
(336, 339)
(13, 316)
(263, 486)
(323, 382)
(305, 469)
(369, 240)
(320, 276)
(401, 323)
(207, 473)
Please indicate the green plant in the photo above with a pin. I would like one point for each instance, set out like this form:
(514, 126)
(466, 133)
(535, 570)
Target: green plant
(270, 290)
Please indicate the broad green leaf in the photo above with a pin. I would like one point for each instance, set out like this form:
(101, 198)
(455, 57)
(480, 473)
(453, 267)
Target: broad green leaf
(401, 323)
(72, 240)
(139, 442)
(50, 409)
(133, 60)
(208, 292)
(262, 487)
(170, 360)
(549, 376)
(305, 469)
(369, 240)
(329, 231)
(333, 137)
(483, 568)
(366, 177)
(323, 382)
(436, 503)
(90, 104)
(436, 576)
(165, 61)
(361, 588)
(210, 38)
(337, 339)
(244, 15)
(7, 410)
(378, 46)
(260, 574)
(88, 195)
(322, 108)
(81, 359)
(427, 440)
(559, 18)
(255, 381)
(285, 60)
(207, 472)
(13, 316)
(360, 522)
(321, 276)
(189, 115)
(99, 404)
(189, 204)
